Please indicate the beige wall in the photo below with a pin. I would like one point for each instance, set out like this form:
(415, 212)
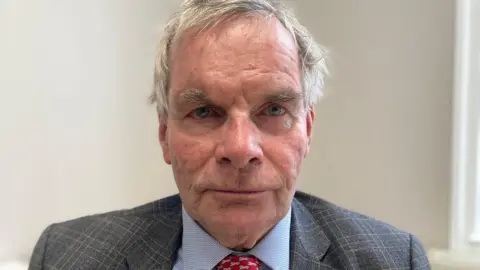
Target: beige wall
(77, 135)
(382, 134)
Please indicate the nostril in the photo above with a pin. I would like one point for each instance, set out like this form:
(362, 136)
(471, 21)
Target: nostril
(254, 161)
(225, 160)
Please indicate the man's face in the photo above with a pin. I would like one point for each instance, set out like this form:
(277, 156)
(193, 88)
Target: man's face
(237, 130)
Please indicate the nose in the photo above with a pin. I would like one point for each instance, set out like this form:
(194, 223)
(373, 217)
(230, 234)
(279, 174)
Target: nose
(239, 145)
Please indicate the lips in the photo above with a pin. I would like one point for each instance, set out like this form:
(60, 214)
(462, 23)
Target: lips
(239, 191)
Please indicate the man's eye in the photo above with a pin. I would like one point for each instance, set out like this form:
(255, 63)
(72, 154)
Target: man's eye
(202, 112)
(274, 110)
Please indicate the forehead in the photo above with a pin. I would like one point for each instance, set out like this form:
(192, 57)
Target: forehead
(245, 52)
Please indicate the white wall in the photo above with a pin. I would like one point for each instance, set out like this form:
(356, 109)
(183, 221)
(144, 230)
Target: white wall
(77, 135)
(382, 137)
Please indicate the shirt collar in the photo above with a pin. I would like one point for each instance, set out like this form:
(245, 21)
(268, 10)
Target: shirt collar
(201, 251)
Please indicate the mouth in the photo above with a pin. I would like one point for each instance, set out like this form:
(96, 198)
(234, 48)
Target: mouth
(238, 192)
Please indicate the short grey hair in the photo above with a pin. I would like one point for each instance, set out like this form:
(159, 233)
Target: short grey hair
(199, 15)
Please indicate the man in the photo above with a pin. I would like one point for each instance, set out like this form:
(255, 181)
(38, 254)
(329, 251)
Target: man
(235, 86)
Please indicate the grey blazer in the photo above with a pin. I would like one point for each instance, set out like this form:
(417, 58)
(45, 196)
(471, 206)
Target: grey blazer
(323, 236)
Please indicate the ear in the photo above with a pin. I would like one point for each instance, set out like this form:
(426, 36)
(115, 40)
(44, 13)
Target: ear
(309, 122)
(163, 137)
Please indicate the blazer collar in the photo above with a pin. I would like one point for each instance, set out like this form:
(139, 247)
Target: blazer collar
(308, 242)
(158, 246)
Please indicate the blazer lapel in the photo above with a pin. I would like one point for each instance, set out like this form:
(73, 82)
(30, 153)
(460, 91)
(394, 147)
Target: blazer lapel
(308, 242)
(157, 248)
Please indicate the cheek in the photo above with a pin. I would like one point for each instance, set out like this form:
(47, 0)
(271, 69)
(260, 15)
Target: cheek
(288, 122)
(189, 154)
(287, 156)
(189, 161)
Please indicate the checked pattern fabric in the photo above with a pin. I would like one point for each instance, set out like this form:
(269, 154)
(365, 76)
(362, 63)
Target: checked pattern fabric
(233, 262)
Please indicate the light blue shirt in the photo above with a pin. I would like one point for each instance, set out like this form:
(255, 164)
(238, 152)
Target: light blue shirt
(200, 251)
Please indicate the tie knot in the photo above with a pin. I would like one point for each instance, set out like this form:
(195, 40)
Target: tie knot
(233, 262)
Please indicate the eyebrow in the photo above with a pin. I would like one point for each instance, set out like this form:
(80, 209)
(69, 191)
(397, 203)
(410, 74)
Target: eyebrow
(283, 96)
(193, 96)
(197, 97)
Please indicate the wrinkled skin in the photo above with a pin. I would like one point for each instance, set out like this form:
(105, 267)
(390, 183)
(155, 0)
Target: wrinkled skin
(237, 130)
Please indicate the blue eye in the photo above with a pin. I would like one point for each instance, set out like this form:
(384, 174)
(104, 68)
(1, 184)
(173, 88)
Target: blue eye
(274, 110)
(202, 112)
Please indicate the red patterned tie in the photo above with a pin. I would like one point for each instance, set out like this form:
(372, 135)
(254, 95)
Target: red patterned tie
(233, 262)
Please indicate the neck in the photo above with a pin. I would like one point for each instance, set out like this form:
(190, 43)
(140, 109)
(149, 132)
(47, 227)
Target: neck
(238, 241)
